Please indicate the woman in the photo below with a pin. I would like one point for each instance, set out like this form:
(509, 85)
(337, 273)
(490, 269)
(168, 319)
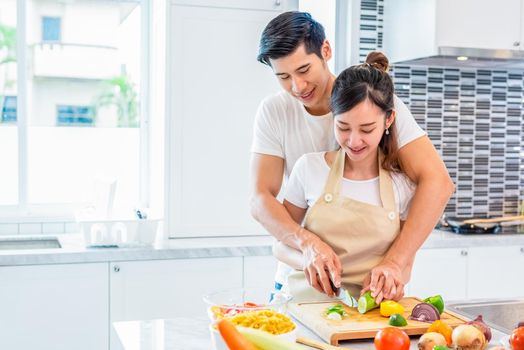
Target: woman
(356, 198)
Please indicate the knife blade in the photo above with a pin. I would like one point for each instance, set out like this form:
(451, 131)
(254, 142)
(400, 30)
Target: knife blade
(344, 296)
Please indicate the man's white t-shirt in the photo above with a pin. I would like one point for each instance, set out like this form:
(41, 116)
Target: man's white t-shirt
(284, 128)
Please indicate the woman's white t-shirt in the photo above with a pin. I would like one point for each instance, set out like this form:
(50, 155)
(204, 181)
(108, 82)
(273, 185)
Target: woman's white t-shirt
(310, 174)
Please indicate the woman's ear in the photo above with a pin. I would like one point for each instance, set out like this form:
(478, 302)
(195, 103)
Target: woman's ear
(391, 118)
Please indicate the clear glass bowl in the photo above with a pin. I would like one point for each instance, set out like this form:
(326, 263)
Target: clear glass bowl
(230, 302)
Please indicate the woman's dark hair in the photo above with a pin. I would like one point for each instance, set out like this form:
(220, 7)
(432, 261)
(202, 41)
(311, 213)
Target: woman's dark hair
(369, 81)
(284, 34)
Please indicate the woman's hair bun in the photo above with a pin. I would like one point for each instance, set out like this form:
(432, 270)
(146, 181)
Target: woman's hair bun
(378, 60)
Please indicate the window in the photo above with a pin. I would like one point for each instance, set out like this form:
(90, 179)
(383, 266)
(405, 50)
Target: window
(51, 29)
(9, 109)
(76, 113)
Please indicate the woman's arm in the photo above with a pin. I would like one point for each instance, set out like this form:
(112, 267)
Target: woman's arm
(288, 255)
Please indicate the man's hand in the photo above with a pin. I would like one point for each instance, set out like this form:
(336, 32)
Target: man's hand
(321, 265)
(385, 282)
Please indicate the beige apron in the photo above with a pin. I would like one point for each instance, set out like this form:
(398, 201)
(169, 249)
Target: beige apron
(358, 232)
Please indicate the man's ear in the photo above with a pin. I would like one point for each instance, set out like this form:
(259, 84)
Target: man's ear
(325, 50)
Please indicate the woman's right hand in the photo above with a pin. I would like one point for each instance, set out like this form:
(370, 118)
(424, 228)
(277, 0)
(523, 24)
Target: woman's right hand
(321, 264)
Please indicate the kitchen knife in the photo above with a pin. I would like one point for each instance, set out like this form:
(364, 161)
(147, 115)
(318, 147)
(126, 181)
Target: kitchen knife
(344, 296)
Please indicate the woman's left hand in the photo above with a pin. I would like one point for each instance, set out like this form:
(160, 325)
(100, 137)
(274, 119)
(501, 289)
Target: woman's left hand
(385, 282)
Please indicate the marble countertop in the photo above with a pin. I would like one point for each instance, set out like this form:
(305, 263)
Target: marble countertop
(73, 249)
(193, 334)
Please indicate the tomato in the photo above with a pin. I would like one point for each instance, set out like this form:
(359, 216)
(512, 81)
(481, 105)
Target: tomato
(391, 339)
(517, 339)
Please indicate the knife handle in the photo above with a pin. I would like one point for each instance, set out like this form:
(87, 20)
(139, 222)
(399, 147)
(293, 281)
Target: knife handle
(317, 345)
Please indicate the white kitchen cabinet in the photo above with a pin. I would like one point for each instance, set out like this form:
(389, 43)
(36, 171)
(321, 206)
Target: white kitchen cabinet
(259, 275)
(483, 24)
(434, 26)
(440, 271)
(496, 272)
(54, 307)
(142, 290)
(215, 85)
(169, 288)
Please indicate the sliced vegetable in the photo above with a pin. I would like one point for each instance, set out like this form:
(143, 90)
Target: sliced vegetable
(366, 302)
(437, 302)
(468, 337)
(390, 307)
(424, 312)
(391, 339)
(482, 326)
(516, 339)
(337, 308)
(429, 340)
(232, 337)
(334, 316)
(443, 328)
(265, 341)
(442, 347)
(397, 320)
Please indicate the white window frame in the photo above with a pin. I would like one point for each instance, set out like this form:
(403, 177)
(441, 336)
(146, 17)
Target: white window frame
(63, 212)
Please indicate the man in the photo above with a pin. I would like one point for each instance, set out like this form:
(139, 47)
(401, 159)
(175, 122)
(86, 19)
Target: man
(297, 121)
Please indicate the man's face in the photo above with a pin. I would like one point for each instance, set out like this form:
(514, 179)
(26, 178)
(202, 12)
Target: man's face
(305, 76)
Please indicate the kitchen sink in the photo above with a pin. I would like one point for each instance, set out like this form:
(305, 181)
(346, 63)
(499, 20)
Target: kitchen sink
(29, 243)
(503, 315)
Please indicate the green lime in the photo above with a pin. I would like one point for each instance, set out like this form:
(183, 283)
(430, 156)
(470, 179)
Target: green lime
(437, 302)
(366, 302)
(397, 320)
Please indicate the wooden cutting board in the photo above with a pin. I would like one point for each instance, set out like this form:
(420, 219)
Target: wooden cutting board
(358, 326)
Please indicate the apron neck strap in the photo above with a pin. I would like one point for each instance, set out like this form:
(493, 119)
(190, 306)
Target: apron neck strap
(387, 195)
(385, 182)
(336, 173)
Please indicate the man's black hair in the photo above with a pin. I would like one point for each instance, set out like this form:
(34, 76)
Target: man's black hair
(284, 34)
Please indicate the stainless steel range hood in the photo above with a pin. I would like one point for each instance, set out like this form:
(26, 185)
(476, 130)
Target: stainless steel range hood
(481, 33)
(461, 57)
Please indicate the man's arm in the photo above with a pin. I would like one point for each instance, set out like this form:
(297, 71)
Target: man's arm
(266, 180)
(319, 258)
(423, 165)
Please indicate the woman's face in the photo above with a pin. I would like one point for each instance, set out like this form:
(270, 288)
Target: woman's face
(359, 130)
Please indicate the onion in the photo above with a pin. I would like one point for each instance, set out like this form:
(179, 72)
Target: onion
(429, 340)
(424, 312)
(468, 337)
(482, 326)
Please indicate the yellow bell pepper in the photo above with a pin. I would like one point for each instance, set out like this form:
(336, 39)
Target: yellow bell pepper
(390, 307)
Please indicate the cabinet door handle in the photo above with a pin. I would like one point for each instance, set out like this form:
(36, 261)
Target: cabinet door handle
(522, 249)
(116, 268)
(516, 43)
(464, 252)
(278, 2)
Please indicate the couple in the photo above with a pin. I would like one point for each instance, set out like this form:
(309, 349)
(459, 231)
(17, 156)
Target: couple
(355, 163)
